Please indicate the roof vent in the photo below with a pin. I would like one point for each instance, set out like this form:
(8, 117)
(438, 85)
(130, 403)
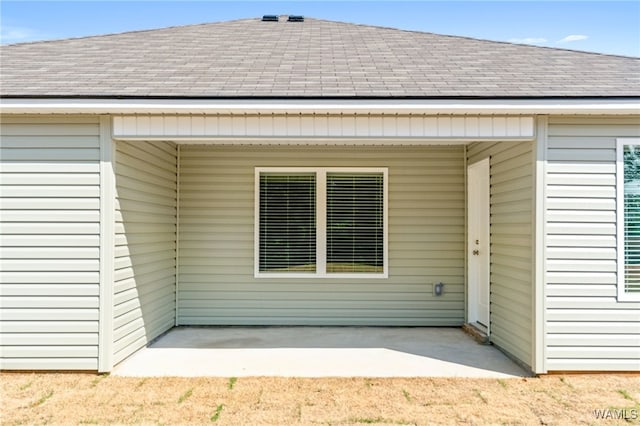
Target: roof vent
(270, 18)
(295, 18)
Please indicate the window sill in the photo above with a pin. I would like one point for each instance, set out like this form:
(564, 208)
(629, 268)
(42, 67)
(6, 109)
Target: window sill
(628, 297)
(322, 276)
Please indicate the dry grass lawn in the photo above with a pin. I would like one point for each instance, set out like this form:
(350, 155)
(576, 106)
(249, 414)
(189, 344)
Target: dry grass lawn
(90, 399)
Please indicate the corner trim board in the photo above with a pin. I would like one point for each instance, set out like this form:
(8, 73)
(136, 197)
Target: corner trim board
(177, 302)
(107, 249)
(539, 362)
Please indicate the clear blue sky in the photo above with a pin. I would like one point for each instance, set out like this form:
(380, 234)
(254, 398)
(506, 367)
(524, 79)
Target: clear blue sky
(598, 26)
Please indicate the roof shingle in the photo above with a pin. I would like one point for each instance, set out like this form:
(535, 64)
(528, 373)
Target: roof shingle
(314, 58)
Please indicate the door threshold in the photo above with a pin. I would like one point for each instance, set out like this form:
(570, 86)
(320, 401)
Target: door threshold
(475, 331)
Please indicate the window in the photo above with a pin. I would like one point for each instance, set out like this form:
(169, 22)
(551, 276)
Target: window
(287, 222)
(355, 228)
(628, 218)
(321, 222)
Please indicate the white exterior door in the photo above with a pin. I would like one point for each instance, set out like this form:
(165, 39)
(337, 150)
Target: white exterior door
(478, 244)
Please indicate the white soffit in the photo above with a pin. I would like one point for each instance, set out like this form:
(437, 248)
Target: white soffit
(264, 128)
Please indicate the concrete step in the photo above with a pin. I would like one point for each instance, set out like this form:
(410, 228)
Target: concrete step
(477, 334)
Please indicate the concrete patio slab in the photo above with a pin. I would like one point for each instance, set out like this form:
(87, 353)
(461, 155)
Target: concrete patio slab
(318, 352)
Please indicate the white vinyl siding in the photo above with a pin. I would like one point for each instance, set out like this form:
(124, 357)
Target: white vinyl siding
(426, 241)
(511, 227)
(587, 327)
(145, 244)
(49, 237)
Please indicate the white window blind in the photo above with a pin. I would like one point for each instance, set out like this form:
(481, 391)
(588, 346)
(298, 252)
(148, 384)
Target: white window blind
(631, 162)
(287, 223)
(355, 225)
(321, 222)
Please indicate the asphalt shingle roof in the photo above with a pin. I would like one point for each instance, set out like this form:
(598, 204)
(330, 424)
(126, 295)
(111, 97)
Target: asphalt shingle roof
(314, 58)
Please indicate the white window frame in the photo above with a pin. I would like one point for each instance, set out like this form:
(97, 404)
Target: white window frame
(321, 222)
(623, 295)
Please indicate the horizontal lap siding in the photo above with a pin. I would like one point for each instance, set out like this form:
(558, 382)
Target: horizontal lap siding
(426, 241)
(145, 270)
(49, 236)
(511, 244)
(587, 328)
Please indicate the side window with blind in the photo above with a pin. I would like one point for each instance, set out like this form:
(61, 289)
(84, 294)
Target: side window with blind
(287, 223)
(321, 222)
(355, 225)
(628, 205)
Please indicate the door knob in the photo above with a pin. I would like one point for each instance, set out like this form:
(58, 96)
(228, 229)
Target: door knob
(476, 252)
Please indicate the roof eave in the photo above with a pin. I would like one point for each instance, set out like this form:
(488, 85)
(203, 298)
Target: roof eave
(619, 105)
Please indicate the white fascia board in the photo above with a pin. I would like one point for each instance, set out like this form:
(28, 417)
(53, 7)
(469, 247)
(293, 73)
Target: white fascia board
(320, 106)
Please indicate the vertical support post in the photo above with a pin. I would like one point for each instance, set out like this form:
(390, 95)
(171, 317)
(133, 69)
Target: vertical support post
(465, 161)
(539, 361)
(107, 243)
(177, 309)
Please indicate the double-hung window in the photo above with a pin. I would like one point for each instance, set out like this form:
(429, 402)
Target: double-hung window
(628, 218)
(321, 222)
